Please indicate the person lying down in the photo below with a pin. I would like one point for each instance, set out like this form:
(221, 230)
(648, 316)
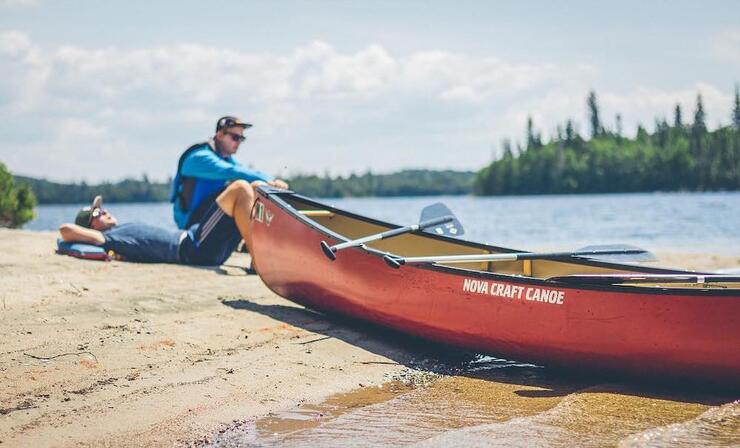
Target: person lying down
(210, 241)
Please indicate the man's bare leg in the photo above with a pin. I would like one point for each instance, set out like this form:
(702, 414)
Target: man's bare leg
(237, 201)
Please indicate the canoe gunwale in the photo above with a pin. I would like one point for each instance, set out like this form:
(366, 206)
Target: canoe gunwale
(275, 196)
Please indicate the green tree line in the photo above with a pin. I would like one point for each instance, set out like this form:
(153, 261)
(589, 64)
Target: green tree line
(676, 156)
(127, 190)
(403, 183)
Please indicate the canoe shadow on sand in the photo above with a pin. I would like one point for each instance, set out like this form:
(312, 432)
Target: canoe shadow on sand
(433, 357)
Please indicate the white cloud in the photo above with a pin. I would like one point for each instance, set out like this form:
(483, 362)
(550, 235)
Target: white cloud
(726, 45)
(19, 2)
(73, 130)
(314, 108)
(13, 43)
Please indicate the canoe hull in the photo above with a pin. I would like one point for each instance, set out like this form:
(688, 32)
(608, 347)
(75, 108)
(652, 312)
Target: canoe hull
(694, 336)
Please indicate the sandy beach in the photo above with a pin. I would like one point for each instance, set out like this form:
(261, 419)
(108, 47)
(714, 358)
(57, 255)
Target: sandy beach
(124, 354)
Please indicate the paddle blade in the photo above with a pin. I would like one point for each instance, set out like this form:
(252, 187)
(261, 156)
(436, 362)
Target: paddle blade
(328, 251)
(452, 228)
(616, 253)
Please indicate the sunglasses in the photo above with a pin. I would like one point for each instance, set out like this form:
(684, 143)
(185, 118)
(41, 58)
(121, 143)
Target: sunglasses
(236, 137)
(98, 212)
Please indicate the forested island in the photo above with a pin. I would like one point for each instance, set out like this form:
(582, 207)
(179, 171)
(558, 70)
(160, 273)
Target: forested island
(677, 156)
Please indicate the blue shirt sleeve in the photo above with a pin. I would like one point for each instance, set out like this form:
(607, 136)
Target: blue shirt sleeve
(205, 164)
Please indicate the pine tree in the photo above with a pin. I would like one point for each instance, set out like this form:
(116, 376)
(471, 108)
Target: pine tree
(593, 115)
(697, 145)
(700, 124)
(642, 133)
(735, 142)
(530, 133)
(736, 110)
(570, 133)
(661, 132)
(506, 148)
(534, 140)
(677, 119)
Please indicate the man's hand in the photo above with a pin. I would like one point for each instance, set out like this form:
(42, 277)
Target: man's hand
(278, 183)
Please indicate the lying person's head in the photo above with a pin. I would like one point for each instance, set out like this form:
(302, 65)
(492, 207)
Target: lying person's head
(95, 216)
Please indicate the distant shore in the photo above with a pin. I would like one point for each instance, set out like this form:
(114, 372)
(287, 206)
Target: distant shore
(420, 182)
(126, 354)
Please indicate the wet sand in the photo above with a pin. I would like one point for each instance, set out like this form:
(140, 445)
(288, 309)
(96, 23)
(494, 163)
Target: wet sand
(507, 406)
(123, 354)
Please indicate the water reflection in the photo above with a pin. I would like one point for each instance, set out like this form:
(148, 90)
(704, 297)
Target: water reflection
(719, 426)
(488, 401)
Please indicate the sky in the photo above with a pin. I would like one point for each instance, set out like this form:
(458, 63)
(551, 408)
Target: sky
(93, 90)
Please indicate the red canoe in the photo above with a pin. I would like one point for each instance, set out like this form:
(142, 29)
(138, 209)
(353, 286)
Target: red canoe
(577, 313)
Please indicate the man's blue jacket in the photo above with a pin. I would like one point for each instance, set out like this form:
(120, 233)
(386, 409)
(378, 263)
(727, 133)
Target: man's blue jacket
(203, 172)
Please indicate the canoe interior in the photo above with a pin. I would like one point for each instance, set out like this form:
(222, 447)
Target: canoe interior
(416, 245)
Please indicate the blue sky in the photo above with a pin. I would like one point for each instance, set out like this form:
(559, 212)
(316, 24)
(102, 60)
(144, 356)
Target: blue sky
(98, 90)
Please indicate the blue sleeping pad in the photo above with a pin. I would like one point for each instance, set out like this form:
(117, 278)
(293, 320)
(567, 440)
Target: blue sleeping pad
(82, 250)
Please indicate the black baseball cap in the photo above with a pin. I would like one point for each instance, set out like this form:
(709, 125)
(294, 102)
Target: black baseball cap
(230, 121)
(84, 217)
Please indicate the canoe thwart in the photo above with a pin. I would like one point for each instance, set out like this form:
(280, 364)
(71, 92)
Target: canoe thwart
(317, 213)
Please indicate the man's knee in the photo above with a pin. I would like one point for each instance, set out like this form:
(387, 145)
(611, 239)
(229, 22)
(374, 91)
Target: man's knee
(238, 192)
(240, 185)
(239, 188)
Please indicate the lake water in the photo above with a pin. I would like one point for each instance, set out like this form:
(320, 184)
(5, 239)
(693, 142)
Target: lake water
(671, 222)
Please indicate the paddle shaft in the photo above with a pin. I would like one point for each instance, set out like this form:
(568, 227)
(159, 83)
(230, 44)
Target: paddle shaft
(611, 279)
(512, 257)
(393, 232)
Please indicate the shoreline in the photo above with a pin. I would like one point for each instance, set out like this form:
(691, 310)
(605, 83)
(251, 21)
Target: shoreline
(128, 354)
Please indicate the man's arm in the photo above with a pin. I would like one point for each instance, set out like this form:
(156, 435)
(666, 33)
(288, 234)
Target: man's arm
(205, 164)
(79, 234)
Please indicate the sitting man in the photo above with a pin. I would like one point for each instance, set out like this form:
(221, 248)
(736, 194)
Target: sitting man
(209, 241)
(205, 169)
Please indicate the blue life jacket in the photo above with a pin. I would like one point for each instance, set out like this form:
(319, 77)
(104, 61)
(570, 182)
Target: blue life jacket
(182, 189)
(201, 174)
